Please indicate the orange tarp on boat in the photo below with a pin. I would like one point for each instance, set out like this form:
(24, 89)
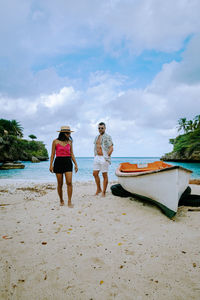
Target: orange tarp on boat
(156, 165)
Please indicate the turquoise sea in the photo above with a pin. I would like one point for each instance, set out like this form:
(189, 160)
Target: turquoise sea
(40, 171)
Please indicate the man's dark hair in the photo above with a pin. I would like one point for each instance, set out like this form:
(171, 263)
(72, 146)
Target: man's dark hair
(102, 123)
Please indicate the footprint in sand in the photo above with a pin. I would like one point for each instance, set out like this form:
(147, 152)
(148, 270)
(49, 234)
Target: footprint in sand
(128, 252)
(97, 262)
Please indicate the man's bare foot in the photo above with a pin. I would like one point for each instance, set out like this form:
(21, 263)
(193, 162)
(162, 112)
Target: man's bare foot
(62, 203)
(103, 194)
(98, 192)
(70, 205)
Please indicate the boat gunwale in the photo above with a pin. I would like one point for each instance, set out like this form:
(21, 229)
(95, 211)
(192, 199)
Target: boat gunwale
(135, 174)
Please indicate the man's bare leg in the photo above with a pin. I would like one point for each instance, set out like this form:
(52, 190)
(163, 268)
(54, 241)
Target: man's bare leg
(105, 183)
(97, 180)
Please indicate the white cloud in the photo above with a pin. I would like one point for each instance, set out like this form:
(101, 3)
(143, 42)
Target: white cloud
(18, 106)
(64, 97)
(140, 120)
(188, 70)
(58, 27)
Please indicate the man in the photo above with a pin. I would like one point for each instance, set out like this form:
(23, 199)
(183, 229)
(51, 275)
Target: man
(103, 148)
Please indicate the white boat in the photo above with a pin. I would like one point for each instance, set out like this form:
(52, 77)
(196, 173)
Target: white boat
(157, 182)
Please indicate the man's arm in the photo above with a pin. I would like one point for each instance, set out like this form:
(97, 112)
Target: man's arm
(110, 150)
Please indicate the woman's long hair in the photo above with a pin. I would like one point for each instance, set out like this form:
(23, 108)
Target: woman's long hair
(62, 137)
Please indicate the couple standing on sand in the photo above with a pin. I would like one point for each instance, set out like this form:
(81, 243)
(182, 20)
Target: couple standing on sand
(63, 149)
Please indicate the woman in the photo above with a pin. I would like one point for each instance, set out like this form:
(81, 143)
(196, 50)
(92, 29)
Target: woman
(62, 148)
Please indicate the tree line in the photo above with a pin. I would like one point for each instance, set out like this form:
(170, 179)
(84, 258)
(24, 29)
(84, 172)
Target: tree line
(13, 127)
(187, 145)
(189, 125)
(13, 147)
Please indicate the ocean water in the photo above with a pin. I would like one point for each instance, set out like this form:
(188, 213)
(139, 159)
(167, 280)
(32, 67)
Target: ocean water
(40, 171)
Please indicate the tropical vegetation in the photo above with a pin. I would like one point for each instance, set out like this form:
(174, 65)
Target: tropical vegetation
(13, 147)
(189, 125)
(32, 136)
(186, 147)
(11, 127)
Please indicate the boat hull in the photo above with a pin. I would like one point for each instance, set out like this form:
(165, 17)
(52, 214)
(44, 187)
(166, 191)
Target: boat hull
(162, 187)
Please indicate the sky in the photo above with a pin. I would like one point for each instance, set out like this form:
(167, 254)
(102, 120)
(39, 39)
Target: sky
(133, 64)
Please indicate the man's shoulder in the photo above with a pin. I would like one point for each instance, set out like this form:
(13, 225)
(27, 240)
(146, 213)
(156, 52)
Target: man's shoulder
(107, 138)
(107, 135)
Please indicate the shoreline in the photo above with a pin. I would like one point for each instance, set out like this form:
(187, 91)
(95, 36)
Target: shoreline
(103, 248)
(40, 172)
(5, 181)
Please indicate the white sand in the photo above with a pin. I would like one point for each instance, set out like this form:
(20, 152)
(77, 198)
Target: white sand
(103, 248)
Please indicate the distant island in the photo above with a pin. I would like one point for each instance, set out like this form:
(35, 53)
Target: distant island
(186, 147)
(14, 148)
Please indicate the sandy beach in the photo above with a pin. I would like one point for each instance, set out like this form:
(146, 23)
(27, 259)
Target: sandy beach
(103, 248)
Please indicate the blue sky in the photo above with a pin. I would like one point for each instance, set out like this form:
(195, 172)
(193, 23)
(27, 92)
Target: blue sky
(140, 69)
(133, 64)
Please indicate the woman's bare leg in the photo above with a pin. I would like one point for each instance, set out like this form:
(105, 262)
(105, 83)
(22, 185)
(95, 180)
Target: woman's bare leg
(59, 187)
(68, 177)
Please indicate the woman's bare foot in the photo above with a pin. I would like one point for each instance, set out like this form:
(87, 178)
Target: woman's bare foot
(103, 194)
(62, 203)
(70, 205)
(98, 192)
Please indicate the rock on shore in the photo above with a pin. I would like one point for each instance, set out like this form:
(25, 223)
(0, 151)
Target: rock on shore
(175, 156)
(12, 165)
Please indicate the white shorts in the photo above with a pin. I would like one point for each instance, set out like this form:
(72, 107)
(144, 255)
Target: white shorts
(100, 164)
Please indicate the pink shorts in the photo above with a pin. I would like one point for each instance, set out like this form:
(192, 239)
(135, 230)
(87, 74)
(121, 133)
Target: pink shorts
(100, 164)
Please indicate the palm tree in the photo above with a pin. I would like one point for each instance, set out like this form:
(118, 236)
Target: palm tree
(189, 126)
(197, 122)
(182, 124)
(12, 127)
(5, 124)
(17, 128)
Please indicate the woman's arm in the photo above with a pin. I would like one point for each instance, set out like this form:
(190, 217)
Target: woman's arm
(53, 150)
(73, 158)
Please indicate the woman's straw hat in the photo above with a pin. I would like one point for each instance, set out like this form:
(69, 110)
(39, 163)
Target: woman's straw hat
(65, 129)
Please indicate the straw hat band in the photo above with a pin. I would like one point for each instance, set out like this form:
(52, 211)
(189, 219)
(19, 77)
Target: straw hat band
(65, 129)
